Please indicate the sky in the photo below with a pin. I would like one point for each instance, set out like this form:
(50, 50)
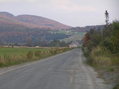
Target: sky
(69, 12)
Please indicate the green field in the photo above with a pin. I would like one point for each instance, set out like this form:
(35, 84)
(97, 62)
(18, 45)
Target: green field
(12, 56)
(20, 51)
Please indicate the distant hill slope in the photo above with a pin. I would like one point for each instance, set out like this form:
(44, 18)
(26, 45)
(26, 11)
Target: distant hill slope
(77, 37)
(30, 29)
(77, 33)
(86, 28)
(41, 22)
(30, 21)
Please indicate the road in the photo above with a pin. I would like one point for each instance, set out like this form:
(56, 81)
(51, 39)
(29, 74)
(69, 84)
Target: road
(63, 71)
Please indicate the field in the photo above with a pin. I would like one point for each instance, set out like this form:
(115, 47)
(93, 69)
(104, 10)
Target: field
(12, 56)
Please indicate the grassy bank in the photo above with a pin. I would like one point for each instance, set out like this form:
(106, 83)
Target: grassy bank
(100, 56)
(101, 47)
(12, 56)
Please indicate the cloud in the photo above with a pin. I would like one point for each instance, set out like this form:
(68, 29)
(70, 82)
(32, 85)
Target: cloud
(65, 5)
(12, 1)
(4, 1)
(71, 5)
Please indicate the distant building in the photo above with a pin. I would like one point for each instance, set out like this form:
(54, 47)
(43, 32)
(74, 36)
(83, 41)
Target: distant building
(37, 46)
(74, 44)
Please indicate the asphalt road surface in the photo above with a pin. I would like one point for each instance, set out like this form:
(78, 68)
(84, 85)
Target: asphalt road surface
(64, 71)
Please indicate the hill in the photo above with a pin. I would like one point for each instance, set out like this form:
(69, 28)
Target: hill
(28, 29)
(30, 21)
(37, 30)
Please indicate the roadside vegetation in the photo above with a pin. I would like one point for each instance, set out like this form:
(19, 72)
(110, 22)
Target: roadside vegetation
(101, 47)
(12, 56)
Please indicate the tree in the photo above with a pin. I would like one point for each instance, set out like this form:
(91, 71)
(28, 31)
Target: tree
(86, 39)
(107, 18)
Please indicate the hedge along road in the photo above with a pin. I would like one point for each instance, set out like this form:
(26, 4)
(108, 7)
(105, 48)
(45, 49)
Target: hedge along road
(63, 71)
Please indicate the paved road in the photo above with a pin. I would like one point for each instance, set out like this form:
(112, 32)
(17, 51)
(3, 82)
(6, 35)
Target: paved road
(63, 71)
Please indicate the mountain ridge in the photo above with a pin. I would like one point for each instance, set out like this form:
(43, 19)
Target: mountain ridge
(31, 21)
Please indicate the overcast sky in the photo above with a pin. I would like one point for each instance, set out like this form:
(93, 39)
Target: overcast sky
(70, 12)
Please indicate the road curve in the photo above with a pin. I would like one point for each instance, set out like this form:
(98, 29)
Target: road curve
(64, 71)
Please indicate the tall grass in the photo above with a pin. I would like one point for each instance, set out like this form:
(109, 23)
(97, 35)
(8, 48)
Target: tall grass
(100, 56)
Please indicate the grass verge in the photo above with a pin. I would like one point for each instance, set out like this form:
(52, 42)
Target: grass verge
(13, 56)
